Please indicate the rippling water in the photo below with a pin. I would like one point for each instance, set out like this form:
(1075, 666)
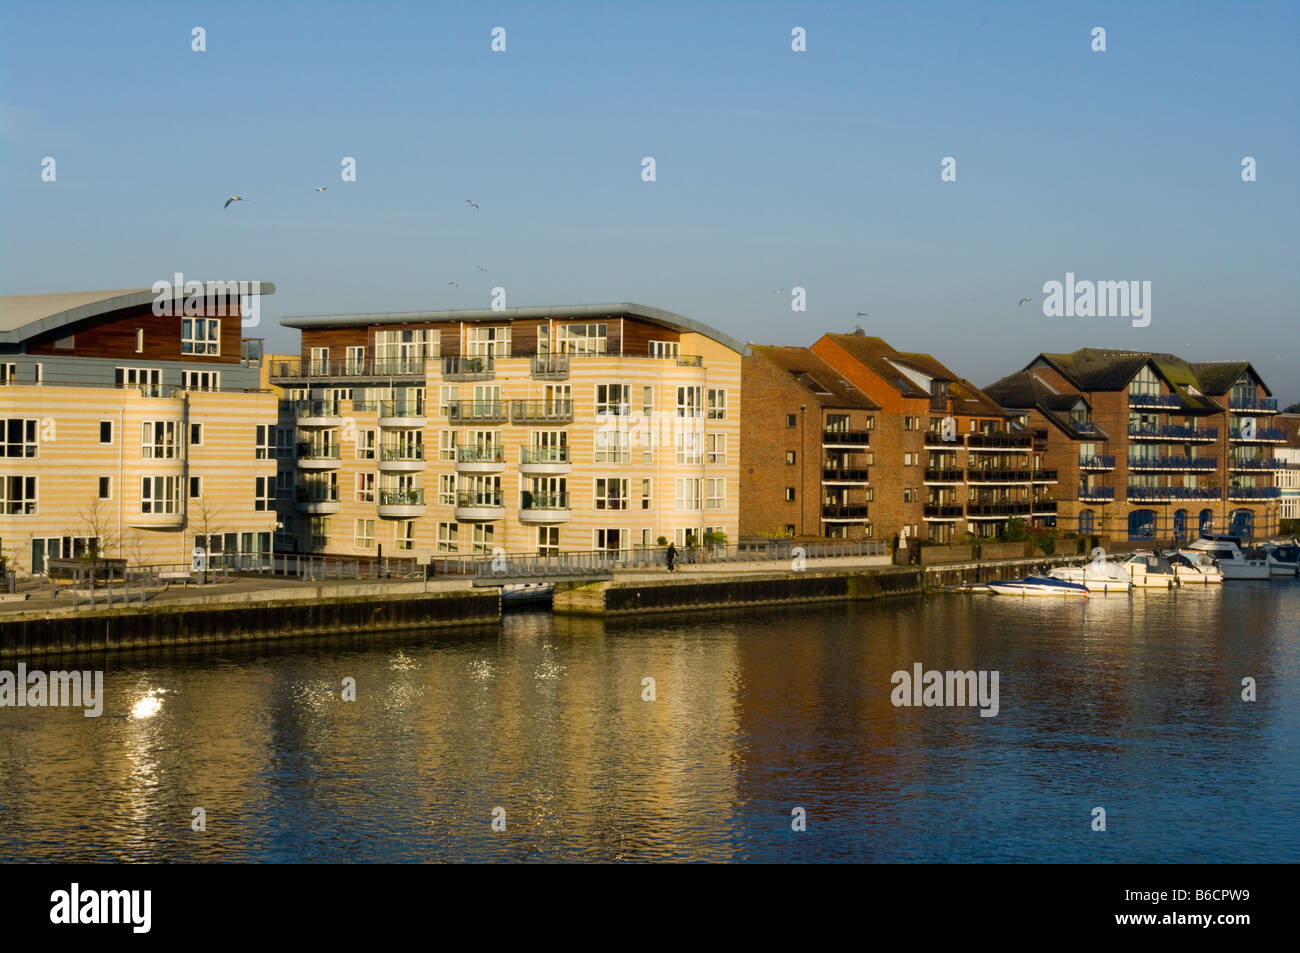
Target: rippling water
(1131, 705)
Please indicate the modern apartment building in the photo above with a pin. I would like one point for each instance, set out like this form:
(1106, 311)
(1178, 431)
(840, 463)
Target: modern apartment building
(530, 430)
(950, 459)
(138, 430)
(806, 436)
(1153, 447)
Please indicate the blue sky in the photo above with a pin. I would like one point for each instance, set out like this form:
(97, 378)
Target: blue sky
(775, 169)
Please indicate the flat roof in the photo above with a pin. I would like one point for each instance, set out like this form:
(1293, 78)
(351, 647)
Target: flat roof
(620, 309)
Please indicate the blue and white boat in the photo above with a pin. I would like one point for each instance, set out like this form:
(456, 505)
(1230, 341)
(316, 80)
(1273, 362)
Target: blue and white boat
(1038, 586)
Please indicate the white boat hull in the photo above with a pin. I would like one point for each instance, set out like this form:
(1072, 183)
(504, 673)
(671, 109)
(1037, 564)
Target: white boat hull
(1235, 570)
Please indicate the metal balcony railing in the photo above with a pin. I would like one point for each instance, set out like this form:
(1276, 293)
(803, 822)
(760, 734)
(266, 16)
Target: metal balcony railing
(1173, 432)
(386, 367)
(528, 500)
(486, 411)
(477, 454)
(543, 454)
(1096, 493)
(1254, 492)
(478, 368)
(1261, 433)
(857, 438)
(844, 511)
(1173, 463)
(407, 496)
(997, 476)
(1155, 400)
(401, 408)
(845, 474)
(1264, 404)
(1097, 462)
(309, 451)
(409, 452)
(550, 367)
(468, 498)
(997, 441)
(315, 408)
(1156, 493)
(317, 493)
(542, 411)
(943, 476)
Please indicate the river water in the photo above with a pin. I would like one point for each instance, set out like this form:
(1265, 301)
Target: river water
(1130, 704)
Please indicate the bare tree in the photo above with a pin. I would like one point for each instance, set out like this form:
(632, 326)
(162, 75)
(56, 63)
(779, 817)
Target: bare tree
(206, 520)
(100, 527)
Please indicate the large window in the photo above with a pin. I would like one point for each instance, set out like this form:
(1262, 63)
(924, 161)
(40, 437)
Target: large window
(1144, 382)
(406, 350)
(687, 496)
(612, 399)
(447, 489)
(1085, 522)
(148, 379)
(264, 446)
(690, 401)
(18, 437)
(404, 535)
(612, 446)
(1142, 524)
(18, 495)
(160, 439)
(610, 493)
(264, 493)
(448, 536)
(201, 380)
(489, 342)
(201, 336)
(364, 534)
(548, 540)
(581, 339)
(715, 497)
(160, 494)
(717, 404)
(715, 448)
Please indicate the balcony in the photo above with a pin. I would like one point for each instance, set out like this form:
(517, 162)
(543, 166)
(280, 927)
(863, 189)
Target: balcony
(846, 438)
(477, 412)
(1163, 401)
(845, 475)
(472, 506)
(318, 457)
(480, 459)
(543, 507)
(942, 476)
(318, 498)
(293, 372)
(1097, 494)
(1247, 494)
(997, 476)
(1102, 462)
(935, 439)
(690, 360)
(1261, 435)
(1257, 463)
(943, 511)
(550, 367)
(1258, 405)
(844, 512)
(402, 413)
(999, 441)
(1173, 432)
(529, 412)
(1044, 476)
(1000, 510)
(544, 460)
(317, 413)
(1040, 507)
(403, 503)
(1173, 463)
(1158, 494)
(402, 459)
(468, 368)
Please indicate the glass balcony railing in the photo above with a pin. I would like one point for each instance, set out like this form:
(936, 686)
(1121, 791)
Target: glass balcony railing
(543, 454)
(410, 452)
(528, 500)
(475, 454)
(472, 498)
(408, 496)
(317, 493)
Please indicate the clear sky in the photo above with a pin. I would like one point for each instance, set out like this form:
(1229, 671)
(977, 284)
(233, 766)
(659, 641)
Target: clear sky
(775, 168)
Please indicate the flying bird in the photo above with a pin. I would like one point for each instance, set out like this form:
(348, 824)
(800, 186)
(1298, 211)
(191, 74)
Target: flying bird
(321, 189)
(1022, 301)
(480, 268)
(863, 314)
(233, 198)
(456, 283)
(779, 291)
(472, 202)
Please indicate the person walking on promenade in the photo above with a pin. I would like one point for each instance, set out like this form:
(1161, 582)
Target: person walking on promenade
(672, 557)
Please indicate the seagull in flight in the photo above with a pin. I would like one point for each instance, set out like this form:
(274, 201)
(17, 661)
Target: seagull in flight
(863, 314)
(233, 198)
(779, 291)
(321, 189)
(472, 202)
(1022, 301)
(480, 268)
(456, 283)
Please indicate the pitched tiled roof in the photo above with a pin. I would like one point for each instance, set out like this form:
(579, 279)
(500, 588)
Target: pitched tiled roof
(966, 397)
(875, 355)
(1024, 391)
(815, 376)
(1094, 369)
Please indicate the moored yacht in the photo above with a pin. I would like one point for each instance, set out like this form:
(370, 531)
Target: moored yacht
(1150, 570)
(1234, 563)
(1193, 568)
(1096, 576)
(1283, 558)
(1037, 586)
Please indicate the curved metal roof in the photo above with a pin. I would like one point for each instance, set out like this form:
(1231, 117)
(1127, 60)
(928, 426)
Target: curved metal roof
(25, 316)
(622, 309)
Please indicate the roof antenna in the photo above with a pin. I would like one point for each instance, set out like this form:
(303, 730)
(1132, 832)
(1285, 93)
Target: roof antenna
(857, 328)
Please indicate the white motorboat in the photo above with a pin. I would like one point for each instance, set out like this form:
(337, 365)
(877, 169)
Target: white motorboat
(1283, 558)
(1150, 570)
(1096, 576)
(1234, 563)
(1194, 568)
(1037, 586)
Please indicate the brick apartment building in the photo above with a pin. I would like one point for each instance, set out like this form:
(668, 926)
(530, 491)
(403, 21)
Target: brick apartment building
(806, 435)
(951, 460)
(1150, 447)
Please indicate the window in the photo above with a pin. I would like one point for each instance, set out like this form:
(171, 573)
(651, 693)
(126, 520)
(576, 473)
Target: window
(489, 342)
(789, 529)
(581, 339)
(159, 494)
(447, 537)
(447, 445)
(105, 488)
(201, 336)
(789, 457)
(911, 423)
(160, 439)
(909, 459)
(612, 399)
(1144, 383)
(647, 496)
(366, 444)
(196, 487)
(18, 495)
(448, 394)
(196, 435)
(612, 446)
(689, 447)
(1142, 524)
(365, 488)
(263, 442)
(647, 400)
(688, 493)
(404, 535)
(483, 536)
(610, 493)
(789, 494)
(665, 348)
(447, 489)
(320, 532)
(356, 360)
(284, 445)
(548, 540)
(689, 401)
(399, 352)
(148, 379)
(201, 380)
(264, 493)
(106, 431)
(716, 404)
(909, 495)
(791, 421)
(364, 534)
(139, 340)
(284, 484)
(18, 437)
(36, 373)
(715, 495)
